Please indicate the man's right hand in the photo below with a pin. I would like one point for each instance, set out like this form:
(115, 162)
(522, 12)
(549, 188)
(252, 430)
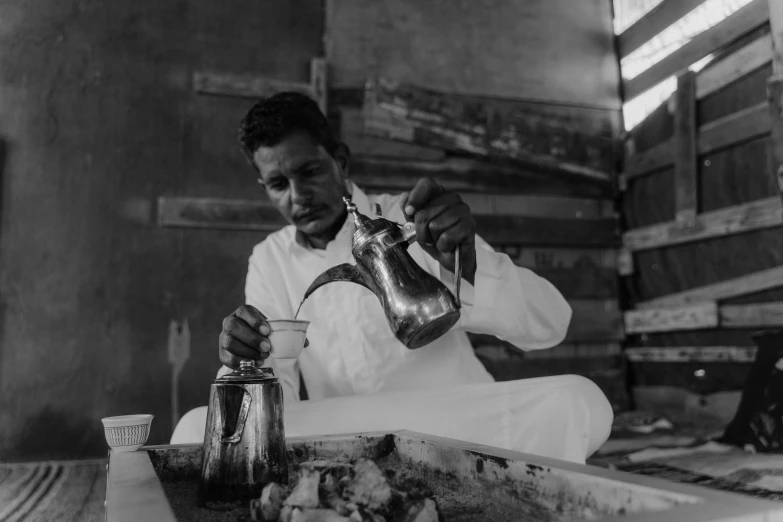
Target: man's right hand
(244, 336)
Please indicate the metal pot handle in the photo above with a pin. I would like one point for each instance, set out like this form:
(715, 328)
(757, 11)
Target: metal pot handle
(241, 419)
(458, 271)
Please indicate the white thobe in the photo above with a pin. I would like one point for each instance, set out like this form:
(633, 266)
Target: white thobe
(354, 363)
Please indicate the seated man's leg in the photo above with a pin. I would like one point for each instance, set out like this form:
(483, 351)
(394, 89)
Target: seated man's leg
(565, 417)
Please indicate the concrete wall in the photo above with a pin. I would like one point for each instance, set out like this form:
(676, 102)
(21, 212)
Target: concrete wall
(98, 119)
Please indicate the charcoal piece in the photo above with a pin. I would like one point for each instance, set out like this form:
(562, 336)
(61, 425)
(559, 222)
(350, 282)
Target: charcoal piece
(267, 508)
(316, 515)
(305, 493)
(369, 486)
(422, 511)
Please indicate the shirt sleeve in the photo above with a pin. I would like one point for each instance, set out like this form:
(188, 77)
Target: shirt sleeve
(260, 294)
(510, 302)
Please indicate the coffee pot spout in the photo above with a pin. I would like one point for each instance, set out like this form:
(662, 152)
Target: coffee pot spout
(344, 272)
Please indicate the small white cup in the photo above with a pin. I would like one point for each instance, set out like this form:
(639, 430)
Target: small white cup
(287, 337)
(127, 432)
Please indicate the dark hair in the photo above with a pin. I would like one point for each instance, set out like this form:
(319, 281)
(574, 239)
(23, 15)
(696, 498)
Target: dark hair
(272, 119)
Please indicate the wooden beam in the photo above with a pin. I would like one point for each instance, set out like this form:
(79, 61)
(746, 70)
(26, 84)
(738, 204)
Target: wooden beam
(245, 86)
(625, 266)
(775, 88)
(739, 286)
(408, 113)
(762, 315)
(691, 354)
(248, 215)
(694, 317)
(539, 206)
(466, 175)
(735, 66)
(739, 23)
(776, 25)
(737, 219)
(656, 158)
(650, 25)
(738, 127)
(685, 164)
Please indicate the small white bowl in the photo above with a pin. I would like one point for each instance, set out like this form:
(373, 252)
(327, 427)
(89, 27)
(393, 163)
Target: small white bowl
(127, 432)
(287, 338)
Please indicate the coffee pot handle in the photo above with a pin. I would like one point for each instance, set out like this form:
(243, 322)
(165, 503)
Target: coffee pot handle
(244, 409)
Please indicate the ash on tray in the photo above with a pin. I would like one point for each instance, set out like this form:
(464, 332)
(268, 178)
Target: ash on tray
(339, 492)
(456, 500)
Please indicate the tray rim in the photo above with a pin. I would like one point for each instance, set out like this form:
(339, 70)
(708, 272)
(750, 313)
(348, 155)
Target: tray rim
(134, 490)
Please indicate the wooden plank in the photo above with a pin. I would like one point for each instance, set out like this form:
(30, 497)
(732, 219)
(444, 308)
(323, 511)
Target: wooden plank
(539, 206)
(763, 315)
(740, 22)
(245, 86)
(416, 115)
(693, 317)
(466, 175)
(363, 144)
(688, 354)
(685, 168)
(739, 286)
(738, 127)
(656, 158)
(133, 490)
(625, 265)
(775, 97)
(735, 66)
(757, 215)
(222, 214)
(650, 25)
(318, 83)
(776, 25)
(735, 128)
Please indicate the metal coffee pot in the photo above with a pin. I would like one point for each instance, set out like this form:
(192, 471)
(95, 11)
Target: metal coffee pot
(244, 441)
(418, 307)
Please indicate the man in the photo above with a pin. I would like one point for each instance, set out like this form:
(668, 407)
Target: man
(353, 354)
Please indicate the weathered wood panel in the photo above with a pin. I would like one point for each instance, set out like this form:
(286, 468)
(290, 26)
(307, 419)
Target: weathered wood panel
(691, 354)
(650, 25)
(727, 289)
(735, 66)
(360, 143)
(466, 175)
(765, 213)
(693, 317)
(761, 315)
(685, 180)
(495, 48)
(245, 85)
(741, 126)
(742, 21)
(412, 114)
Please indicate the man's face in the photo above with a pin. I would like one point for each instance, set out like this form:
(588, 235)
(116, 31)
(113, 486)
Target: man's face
(304, 182)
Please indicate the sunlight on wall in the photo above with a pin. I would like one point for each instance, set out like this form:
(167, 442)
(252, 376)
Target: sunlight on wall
(707, 15)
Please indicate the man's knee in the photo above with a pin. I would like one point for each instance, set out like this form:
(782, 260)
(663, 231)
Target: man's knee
(190, 428)
(599, 409)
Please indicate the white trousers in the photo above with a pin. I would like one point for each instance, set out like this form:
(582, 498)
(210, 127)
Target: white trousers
(565, 417)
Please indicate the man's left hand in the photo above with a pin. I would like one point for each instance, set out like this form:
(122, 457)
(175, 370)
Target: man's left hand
(443, 221)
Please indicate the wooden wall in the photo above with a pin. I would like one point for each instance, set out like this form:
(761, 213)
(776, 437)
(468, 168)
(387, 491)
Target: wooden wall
(703, 212)
(98, 118)
(108, 117)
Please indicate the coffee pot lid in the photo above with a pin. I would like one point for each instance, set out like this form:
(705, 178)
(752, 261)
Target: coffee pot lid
(248, 372)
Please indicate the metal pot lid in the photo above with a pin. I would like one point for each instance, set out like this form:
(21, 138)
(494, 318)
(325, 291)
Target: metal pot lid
(248, 372)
